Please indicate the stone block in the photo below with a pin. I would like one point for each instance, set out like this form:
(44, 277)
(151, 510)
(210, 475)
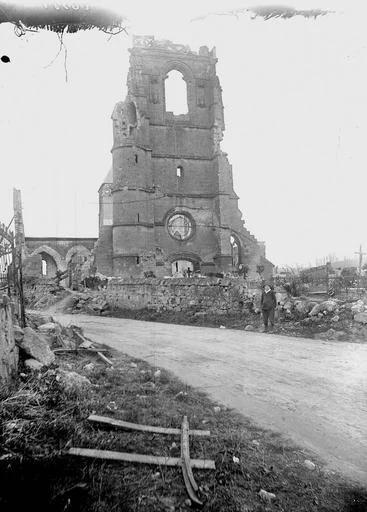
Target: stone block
(33, 365)
(72, 382)
(50, 328)
(35, 345)
(361, 318)
(18, 333)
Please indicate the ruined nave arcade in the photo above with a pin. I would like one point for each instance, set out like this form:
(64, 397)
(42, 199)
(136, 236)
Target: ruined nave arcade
(45, 256)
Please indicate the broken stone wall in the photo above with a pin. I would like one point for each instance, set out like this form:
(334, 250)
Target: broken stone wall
(40, 293)
(8, 349)
(219, 296)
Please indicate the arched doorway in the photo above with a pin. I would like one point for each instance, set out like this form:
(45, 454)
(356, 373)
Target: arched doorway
(235, 251)
(51, 261)
(49, 265)
(182, 268)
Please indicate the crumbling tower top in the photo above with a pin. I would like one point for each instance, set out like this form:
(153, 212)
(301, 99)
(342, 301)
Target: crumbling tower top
(149, 42)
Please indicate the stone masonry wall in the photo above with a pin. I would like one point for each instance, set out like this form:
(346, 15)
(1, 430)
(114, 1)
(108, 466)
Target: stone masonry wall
(219, 296)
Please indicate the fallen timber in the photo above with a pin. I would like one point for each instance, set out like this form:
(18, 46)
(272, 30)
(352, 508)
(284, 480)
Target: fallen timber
(143, 428)
(190, 484)
(98, 352)
(184, 461)
(136, 457)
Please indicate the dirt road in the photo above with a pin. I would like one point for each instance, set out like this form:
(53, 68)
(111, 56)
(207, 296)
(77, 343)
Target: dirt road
(314, 392)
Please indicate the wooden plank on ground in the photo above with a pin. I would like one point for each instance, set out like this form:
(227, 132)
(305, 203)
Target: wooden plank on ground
(60, 340)
(143, 428)
(104, 358)
(78, 335)
(135, 457)
(85, 342)
(78, 350)
(190, 484)
(185, 451)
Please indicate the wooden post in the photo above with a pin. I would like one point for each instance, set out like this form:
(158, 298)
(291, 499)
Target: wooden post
(360, 259)
(8, 349)
(21, 295)
(19, 248)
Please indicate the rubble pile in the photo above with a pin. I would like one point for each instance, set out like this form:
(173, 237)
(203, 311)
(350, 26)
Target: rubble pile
(333, 319)
(90, 303)
(38, 341)
(41, 294)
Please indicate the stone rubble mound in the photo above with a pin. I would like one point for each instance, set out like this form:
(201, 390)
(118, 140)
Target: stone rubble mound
(89, 303)
(335, 319)
(42, 336)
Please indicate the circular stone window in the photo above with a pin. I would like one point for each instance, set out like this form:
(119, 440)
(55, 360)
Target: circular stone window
(180, 226)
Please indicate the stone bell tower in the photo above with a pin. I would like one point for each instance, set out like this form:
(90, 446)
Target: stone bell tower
(171, 186)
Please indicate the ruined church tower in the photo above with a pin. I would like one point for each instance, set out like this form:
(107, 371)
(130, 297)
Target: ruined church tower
(169, 203)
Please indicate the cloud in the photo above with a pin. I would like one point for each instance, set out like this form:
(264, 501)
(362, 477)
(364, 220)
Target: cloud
(269, 11)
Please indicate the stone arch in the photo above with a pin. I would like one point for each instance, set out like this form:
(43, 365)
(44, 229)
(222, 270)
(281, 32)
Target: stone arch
(176, 93)
(182, 90)
(184, 259)
(177, 65)
(190, 256)
(60, 263)
(236, 250)
(81, 250)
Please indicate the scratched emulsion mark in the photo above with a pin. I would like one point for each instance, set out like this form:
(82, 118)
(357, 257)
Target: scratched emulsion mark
(5, 59)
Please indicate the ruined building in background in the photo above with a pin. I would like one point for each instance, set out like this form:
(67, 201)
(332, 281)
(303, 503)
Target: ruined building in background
(168, 203)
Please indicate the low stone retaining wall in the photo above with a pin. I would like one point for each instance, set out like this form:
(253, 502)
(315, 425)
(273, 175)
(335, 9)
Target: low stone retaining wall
(218, 296)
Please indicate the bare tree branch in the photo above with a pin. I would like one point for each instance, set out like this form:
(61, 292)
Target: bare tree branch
(65, 58)
(58, 53)
(20, 30)
(110, 32)
(62, 47)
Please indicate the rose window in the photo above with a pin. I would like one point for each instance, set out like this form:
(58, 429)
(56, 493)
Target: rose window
(180, 226)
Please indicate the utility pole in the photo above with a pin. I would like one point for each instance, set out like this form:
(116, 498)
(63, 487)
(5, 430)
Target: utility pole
(360, 254)
(18, 252)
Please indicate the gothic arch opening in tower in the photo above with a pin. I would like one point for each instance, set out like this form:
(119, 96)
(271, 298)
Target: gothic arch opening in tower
(176, 93)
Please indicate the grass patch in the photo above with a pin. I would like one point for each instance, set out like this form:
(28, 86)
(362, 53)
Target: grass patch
(39, 421)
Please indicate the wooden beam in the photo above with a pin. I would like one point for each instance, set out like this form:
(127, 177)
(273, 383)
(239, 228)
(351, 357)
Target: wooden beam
(77, 349)
(99, 352)
(82, 339)
(185, 451)
(143, 428)
(104, 358)
(135, 457)
(190, 484)
(60, 340)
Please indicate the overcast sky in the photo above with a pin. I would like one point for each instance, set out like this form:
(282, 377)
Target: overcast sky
(294, 93)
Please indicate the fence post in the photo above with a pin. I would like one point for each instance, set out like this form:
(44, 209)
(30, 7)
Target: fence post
(8, 349)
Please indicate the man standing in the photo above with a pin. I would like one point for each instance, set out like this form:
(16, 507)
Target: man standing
(268, 305)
